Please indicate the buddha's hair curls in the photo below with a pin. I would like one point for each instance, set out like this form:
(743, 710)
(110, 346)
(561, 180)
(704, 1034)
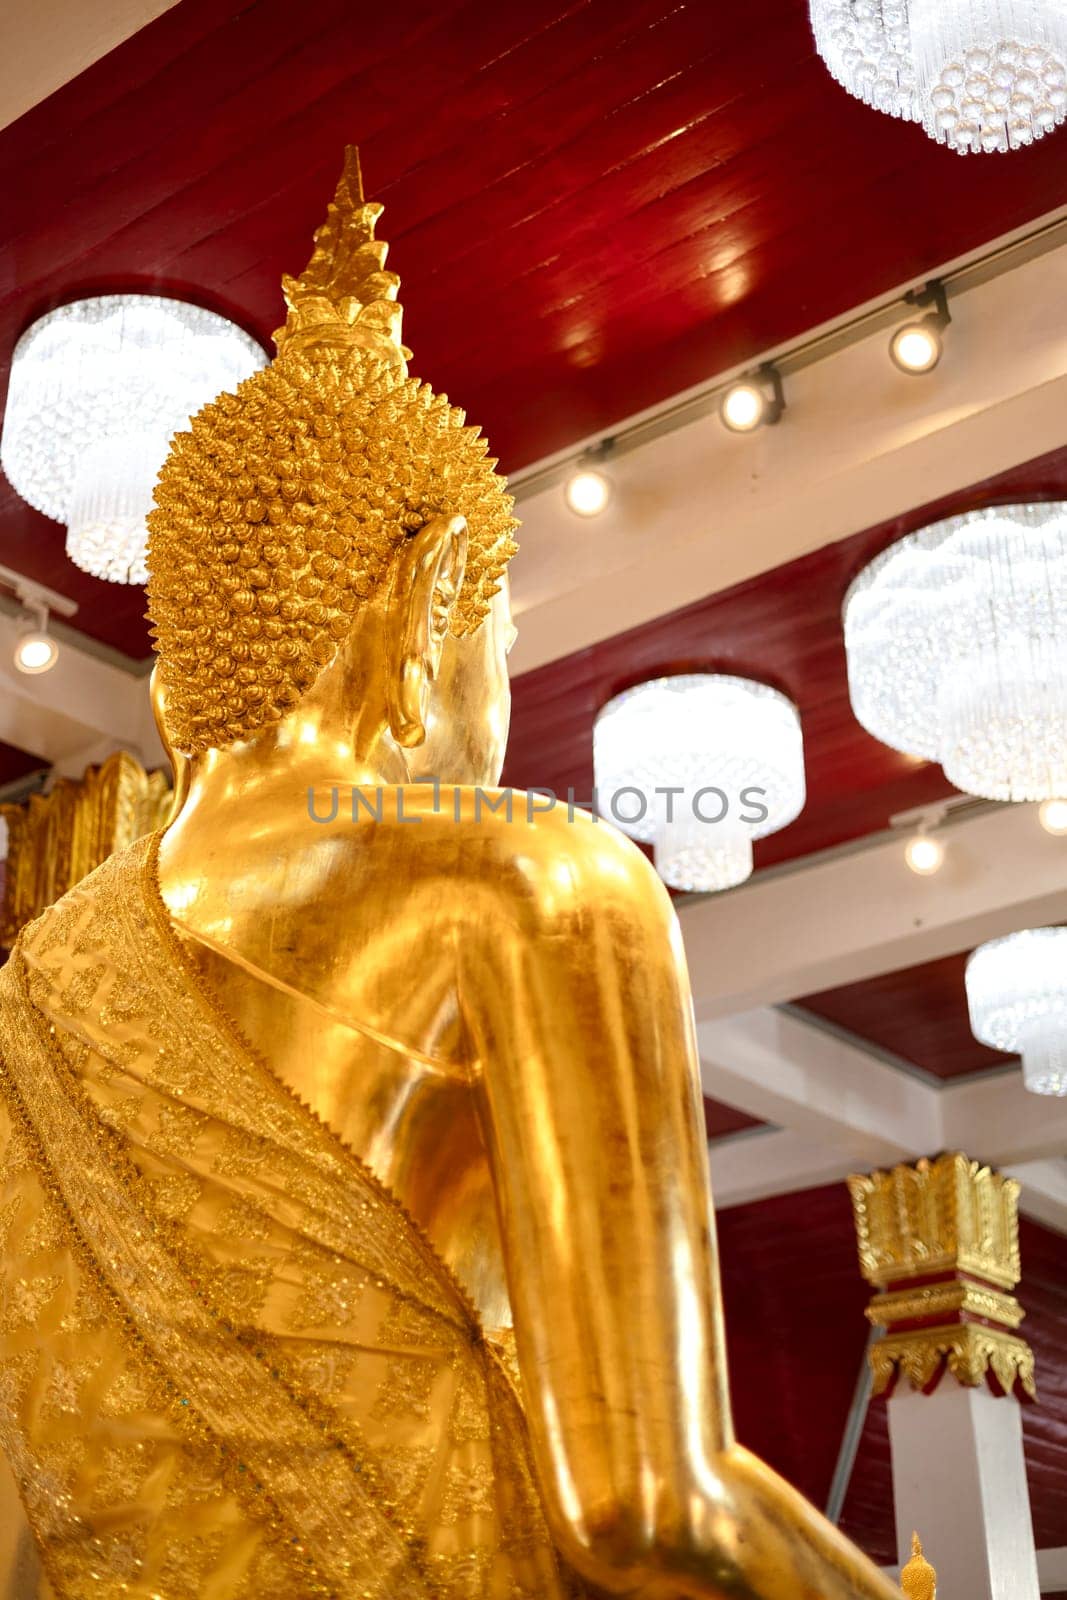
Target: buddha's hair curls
(277, 516)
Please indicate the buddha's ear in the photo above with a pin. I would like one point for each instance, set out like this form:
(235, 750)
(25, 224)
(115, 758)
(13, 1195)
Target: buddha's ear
(427, 578)
(179, 762)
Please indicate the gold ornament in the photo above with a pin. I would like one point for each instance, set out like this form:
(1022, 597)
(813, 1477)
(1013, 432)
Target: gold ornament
(935, 1216)
(55, 840)
(278, 515)
(940, 1241)
(344, 298)
(918, 1579)
(970, 1354)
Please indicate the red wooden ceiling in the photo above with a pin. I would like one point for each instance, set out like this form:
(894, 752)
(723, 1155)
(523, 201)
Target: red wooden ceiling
(722, 1121)
(16, 763)
(594, 203)
(919, 1014)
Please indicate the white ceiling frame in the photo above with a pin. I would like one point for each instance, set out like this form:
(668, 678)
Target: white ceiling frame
(820, 1086)
(839, 1108)
(48, 42)
(858, 912)
(770, 1161)
(78, 711)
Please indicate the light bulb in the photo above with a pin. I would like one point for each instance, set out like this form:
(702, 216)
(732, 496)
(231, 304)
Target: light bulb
(35, 652)
(742, 407)
(588, 492)
(1053, 816)
(923, 854)
(916, 347)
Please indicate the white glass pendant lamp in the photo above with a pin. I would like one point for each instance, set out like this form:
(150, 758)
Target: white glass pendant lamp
(98, 389)
(956, 639)
(1017, 998)
(980, 75)
(700, 765)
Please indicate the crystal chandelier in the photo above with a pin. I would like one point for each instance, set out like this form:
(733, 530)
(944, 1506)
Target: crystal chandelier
(978, 74)
(956, 639)
(700, 765)
(98, 388)
(1017, 998)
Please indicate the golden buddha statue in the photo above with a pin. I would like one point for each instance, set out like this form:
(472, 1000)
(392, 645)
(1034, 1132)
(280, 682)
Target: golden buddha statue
(357, 1238)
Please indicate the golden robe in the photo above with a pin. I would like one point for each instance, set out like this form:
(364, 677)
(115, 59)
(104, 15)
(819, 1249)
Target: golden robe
(231, 1365)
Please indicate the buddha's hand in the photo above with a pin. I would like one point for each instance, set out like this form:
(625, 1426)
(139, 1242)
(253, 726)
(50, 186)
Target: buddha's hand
(757, 1538)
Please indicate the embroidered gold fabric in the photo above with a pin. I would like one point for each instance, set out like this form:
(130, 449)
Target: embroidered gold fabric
(231, 1366)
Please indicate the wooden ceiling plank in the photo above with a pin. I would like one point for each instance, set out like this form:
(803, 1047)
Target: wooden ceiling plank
(237, 252)
(417, 183)
(172, 35)
(139, 201)
(918, 1013)
(663, 316)
(162, 109)
(604, 174)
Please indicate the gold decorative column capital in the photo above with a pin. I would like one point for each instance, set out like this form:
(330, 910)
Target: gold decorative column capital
(939, 1242)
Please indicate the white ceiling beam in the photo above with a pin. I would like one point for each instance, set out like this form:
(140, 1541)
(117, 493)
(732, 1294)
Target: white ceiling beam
(77, 712)
(837, 1108)
(993, 1118)
(845, 917)
(822, 1087)
(45, 43)
(755, 1166)
(1052, 1569)
(1043, 1195)
(759, 1164)
(697, 509)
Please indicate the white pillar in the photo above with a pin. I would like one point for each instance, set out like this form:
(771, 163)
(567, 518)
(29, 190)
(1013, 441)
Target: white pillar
(939, 1243)
(959, 1480)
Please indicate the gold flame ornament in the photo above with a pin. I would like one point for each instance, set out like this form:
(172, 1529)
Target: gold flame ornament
(279, 513)
(344, 297)
(918, 1579)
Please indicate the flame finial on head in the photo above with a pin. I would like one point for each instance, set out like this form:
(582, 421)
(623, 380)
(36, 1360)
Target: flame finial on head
(344, 297)
(918, 1579)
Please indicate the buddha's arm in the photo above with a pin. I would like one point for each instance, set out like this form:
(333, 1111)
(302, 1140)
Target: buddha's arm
(575, 989)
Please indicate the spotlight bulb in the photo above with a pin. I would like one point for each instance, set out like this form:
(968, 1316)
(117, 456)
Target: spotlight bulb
(35, 652)
(924, 854)
(1053, 816)
(916, 347)
(742, 407)
(588, 492)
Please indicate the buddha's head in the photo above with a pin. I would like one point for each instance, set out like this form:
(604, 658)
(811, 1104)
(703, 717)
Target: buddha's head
(333, 523)
(918, 1580)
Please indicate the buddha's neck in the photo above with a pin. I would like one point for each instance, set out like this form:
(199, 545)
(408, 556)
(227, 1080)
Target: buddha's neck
(326, 742)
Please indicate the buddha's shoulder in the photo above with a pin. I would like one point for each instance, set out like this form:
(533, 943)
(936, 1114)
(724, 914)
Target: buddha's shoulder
(497, 839)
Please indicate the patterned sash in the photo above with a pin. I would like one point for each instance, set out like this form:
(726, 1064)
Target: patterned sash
(231, 1365)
